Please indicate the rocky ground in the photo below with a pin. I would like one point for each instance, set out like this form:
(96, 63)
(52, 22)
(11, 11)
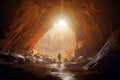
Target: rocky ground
(33, 71)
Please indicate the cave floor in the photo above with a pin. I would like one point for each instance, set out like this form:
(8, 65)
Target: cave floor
(42, 71)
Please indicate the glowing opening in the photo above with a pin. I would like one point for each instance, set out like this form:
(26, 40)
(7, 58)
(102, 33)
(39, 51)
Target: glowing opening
(59, 39)
(61, 25)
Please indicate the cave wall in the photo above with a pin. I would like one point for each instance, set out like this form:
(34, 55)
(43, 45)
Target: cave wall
(24, 22)
(26, 25)
(107, 60)
(100, 19)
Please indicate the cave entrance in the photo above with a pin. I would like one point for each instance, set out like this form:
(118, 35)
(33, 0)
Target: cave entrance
(59, 39)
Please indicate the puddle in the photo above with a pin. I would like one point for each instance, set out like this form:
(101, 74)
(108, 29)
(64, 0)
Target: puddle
(59, 70)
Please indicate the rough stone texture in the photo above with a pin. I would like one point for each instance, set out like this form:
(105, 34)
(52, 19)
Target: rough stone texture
(24, 22)
(108, 58)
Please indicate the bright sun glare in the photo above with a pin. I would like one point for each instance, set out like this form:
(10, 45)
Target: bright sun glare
(59, 39)
(61, 25)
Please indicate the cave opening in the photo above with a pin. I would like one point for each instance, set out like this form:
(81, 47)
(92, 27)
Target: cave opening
(34, 32)
(59, 39)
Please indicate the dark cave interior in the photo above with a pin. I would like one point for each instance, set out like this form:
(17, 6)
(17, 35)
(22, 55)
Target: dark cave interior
(95, 22)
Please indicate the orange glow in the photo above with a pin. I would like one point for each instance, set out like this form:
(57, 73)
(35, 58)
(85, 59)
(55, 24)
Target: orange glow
(59, 39)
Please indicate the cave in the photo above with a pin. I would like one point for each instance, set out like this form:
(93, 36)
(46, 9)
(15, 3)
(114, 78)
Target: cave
(59, 39)
(84, 32)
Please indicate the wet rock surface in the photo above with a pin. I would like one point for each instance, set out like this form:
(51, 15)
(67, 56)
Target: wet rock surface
(107, 60)
(31, 71)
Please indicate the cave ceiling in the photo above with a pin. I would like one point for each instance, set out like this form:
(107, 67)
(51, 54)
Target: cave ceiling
(24, 22)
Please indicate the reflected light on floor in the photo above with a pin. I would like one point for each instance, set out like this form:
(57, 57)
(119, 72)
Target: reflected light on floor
(60, 71)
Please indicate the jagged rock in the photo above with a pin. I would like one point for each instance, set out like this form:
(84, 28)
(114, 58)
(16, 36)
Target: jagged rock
(108, 58)
(18, 58)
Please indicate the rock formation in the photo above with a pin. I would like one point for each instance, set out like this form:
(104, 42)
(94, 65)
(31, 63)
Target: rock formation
(24, 22)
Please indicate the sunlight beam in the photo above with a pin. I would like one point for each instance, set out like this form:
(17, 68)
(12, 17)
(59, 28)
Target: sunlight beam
(61, 25)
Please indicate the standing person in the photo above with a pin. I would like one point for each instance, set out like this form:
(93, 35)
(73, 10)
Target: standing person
(59, 58)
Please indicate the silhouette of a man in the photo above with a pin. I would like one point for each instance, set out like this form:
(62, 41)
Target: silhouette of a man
(59, 58)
